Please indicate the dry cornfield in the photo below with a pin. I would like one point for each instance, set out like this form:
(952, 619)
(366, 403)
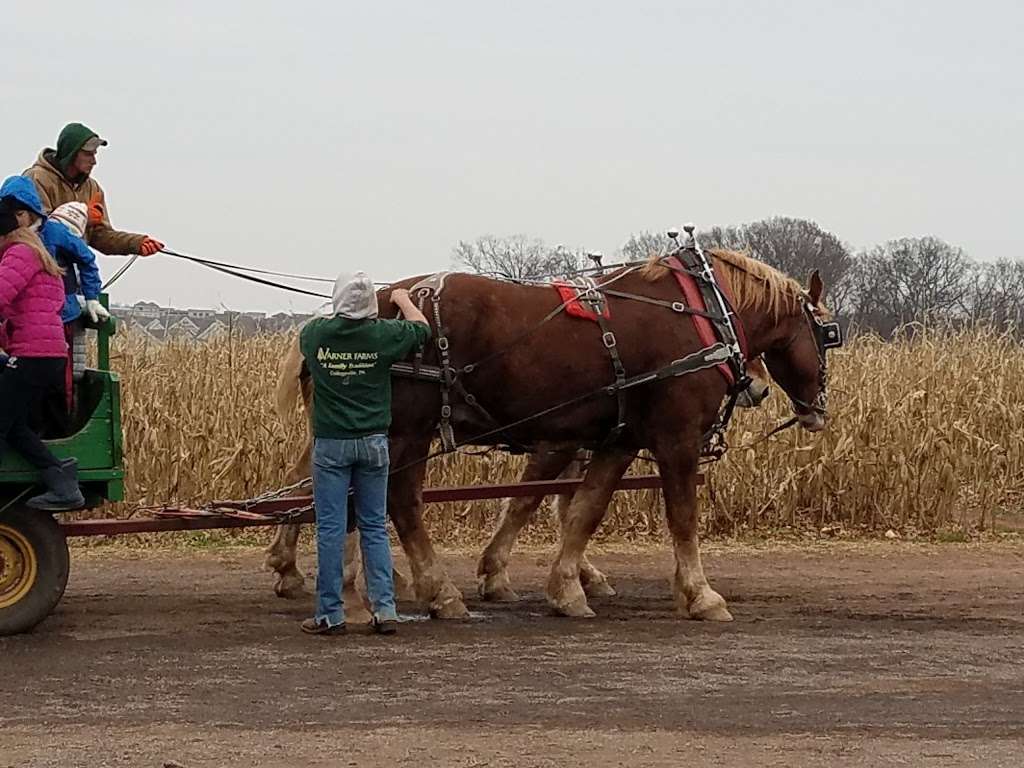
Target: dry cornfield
(925, 434)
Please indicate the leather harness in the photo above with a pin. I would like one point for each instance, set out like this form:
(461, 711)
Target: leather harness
(726, 351)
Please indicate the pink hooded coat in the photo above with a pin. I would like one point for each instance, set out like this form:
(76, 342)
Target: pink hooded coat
(30, 304)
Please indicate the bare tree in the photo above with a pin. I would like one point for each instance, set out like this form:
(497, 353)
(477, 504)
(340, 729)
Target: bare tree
(642, 246)
(912, 280)
(517, 257)
(997, 295)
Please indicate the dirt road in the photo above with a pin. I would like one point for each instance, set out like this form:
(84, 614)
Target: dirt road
(856, 655)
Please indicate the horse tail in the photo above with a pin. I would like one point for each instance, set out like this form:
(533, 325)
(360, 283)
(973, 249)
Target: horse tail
(289, 383)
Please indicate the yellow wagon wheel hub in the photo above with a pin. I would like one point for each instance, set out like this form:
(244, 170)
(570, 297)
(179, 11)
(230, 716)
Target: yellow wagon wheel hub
(18, 566)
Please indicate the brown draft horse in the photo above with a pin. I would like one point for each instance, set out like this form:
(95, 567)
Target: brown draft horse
(521, 364)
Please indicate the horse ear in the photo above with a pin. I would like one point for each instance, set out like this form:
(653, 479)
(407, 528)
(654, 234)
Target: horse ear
(815, 288)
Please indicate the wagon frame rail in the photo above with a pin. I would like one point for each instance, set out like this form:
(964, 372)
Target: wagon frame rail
(299, 509)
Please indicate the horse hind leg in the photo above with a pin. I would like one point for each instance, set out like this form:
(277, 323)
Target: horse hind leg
(565, 592)
(281, 554)
(492, 570)
(495, 585)
(280, 558)
(405, 590)
(595, 583)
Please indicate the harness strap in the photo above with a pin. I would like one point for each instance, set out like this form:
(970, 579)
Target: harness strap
(708, 357)
(447, 377)
(612, 345)
(419, 372)
(704, 288)
(676, 306)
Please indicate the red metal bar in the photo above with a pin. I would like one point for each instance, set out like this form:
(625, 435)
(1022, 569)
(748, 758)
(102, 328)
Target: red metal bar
(199, 522)
(113, 527)
(465, 493)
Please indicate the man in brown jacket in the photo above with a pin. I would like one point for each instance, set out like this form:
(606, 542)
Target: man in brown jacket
(63, 175)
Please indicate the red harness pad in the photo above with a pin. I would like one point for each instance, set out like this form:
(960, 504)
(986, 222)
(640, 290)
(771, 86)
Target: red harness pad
(695, 300)
(574, 307)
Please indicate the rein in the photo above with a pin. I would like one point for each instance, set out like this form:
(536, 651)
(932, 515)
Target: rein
(236, 271)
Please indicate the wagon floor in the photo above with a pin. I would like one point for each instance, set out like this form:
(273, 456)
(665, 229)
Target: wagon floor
(857, 655)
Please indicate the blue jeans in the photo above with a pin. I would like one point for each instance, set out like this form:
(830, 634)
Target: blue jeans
(362, 466)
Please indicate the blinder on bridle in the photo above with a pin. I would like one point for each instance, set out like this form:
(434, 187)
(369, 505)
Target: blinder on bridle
(827, 335)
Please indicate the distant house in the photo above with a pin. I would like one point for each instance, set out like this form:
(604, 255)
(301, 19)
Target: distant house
(147, 309)
(214, 329)
(184, 329)
(200, 325)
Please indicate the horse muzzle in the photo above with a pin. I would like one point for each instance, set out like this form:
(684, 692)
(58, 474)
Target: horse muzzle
(754, 395)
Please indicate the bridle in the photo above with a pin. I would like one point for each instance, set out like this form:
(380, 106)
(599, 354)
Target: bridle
(826, 335)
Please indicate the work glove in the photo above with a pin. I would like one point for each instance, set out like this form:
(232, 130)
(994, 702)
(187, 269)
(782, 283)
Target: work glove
(96, 209)
(96, 311)
(150, 246)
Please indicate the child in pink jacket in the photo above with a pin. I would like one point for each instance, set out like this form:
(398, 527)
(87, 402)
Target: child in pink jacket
(32, 334)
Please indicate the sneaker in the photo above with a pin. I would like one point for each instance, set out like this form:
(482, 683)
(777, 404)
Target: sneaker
(385, 627)
(314, 627)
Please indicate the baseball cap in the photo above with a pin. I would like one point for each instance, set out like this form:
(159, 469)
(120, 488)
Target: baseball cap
(91, 145)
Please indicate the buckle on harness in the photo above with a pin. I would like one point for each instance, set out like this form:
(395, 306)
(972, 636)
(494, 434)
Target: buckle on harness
(678, 306)
(446, 411)
(442, 343)
(609, 339)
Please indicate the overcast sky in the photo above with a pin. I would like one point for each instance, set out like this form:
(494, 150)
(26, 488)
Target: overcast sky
(321, 136)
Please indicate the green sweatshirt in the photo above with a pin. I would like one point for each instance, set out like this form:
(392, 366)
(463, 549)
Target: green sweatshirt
(350, 363)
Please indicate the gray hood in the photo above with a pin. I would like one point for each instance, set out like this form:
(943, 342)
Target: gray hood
(354, 296)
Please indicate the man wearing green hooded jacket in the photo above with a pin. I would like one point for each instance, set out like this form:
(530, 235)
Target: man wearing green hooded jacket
(63, 175)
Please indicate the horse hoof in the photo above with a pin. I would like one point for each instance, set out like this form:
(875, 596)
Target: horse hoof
(451, 609)
(573, 609)
(599, 589)
(498, 594)
(718, 613)
(290, 587)
(711, 611)
(577, 611)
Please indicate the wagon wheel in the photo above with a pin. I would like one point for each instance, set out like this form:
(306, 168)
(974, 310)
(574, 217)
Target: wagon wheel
(34, 565)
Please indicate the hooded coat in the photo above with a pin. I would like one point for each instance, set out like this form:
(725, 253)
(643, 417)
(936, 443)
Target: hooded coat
(30, 302)
(355, 296)
(55, 188)
(70, 251)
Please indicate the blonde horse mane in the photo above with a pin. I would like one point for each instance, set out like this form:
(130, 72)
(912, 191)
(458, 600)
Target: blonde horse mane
(753, 284)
